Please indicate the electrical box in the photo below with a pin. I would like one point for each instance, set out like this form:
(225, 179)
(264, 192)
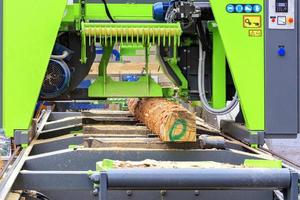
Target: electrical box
(282, 89)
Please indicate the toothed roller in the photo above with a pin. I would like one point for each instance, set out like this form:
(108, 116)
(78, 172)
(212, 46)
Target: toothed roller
(139, 33)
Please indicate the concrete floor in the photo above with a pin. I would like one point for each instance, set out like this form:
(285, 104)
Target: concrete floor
(288, 148)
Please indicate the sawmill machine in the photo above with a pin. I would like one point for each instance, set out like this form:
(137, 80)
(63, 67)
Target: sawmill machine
(225, 54)
(212, 51)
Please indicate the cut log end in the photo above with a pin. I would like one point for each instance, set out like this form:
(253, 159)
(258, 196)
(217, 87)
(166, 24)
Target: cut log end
(168, 119)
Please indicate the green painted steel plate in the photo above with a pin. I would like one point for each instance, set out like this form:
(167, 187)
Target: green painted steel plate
(30, 30)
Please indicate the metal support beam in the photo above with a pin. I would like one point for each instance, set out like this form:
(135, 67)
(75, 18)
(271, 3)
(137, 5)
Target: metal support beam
(53, 180)
(292, 192)
(199, 178)
(241, 133)
(162, 179)
(191, 179)
(85, 159)
(103, 192)
(218, 69)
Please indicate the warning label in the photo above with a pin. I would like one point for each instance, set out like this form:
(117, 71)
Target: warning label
(255, 33)
(252, 21)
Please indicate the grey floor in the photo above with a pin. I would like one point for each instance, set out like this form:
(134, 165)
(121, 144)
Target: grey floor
(288, 148)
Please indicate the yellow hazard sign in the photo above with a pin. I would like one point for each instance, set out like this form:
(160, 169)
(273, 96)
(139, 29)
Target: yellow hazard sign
(252, 21)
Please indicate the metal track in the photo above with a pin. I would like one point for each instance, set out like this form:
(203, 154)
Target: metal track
(9, 176)
(94, 132)
(261, 151)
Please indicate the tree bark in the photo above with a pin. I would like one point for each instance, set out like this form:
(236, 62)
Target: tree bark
(1, 164)
(167, 119)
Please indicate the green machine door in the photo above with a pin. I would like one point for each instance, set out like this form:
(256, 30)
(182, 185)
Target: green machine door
(29, 31)
(242, 33)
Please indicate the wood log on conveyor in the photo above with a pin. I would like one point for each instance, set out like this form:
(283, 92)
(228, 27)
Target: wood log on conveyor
(1, 164)
(168, 119)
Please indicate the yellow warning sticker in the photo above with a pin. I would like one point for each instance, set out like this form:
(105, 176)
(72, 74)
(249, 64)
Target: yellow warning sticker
(255, 33)
(252, 21)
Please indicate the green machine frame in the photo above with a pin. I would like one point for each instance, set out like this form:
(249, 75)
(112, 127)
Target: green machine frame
(34, 37)
(144, 34)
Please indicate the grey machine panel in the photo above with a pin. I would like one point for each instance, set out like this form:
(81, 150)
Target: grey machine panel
(281, 68)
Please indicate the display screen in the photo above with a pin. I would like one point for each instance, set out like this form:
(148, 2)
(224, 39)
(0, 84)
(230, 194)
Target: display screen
(282, 6)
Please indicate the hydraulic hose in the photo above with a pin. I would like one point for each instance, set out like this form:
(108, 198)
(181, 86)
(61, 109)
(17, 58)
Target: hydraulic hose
(201, 88)
(60, 57)
(108, 12)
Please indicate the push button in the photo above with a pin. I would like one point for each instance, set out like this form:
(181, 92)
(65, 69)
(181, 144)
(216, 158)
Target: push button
(273, 20)
(281, 51)
(290, 20)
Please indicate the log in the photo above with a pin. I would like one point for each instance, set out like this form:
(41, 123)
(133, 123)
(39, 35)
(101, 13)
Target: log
(1, 164)
(167, 119)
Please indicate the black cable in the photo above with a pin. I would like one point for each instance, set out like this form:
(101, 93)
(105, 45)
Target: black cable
(107, 12)
(34, 194)
(41, 196)
(203, 35)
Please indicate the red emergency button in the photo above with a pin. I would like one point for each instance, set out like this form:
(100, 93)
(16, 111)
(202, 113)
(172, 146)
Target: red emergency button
(290, 20)
(273, 20)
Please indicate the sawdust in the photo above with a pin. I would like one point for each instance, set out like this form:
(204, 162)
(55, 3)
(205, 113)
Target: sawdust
(148, 163)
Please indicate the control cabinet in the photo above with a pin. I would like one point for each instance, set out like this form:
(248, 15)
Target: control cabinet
(281, 68)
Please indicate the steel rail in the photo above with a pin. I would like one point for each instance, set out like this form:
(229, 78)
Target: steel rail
(9, 178)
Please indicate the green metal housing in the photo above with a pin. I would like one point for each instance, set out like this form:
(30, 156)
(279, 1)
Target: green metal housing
(30, 30)
(104, 86)
(245, 55)
(31, 27)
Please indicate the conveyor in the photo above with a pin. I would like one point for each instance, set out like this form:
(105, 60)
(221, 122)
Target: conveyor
(53, 163)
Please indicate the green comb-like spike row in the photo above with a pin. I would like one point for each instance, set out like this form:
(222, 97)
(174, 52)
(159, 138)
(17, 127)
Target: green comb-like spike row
(149, 33)
(111, 40)
(169, 38)
(98, 34)
(116, 36)
(132, 33)
(153, 35)
(143, 36)
(158, 38)
(100, 38)
(90, 39)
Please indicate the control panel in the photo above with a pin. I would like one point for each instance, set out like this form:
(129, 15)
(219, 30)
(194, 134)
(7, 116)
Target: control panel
(281, 14)
(282, 68)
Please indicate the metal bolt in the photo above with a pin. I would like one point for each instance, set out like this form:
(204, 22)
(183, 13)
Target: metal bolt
(163, 192)
(197, 192)
(95, 177)
(184, 50)
(129, 193)
(95, 192)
